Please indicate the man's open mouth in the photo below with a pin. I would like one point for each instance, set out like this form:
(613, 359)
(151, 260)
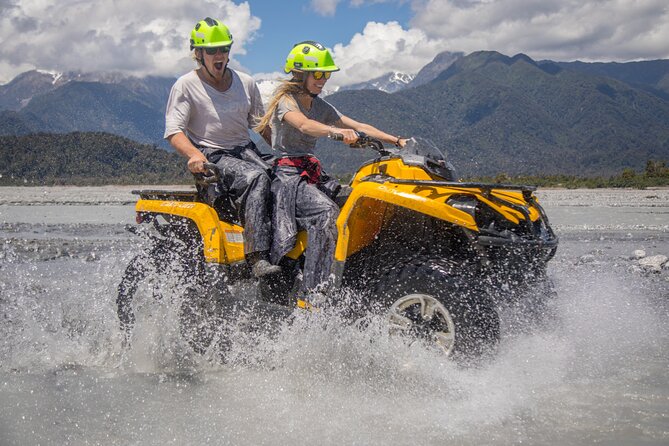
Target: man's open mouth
(218, 65)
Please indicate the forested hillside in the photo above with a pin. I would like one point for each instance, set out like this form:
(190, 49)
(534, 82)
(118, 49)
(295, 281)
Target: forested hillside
(86, 159)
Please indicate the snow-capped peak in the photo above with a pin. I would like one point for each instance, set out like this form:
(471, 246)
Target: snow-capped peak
(55, 75)
(390, 82)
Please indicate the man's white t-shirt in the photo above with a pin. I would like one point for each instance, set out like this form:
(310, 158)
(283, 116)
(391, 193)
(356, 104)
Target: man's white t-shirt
(212, 118)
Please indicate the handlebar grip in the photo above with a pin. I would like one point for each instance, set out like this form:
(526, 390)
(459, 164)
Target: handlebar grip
(336, 136)
(211, 175)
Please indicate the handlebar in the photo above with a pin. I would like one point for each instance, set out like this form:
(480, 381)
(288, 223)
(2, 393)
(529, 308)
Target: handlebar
(211, 175)
(363, 141)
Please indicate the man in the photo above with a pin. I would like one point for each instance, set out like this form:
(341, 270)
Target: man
(208, 115)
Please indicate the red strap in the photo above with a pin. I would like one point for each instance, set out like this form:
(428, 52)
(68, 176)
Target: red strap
(310, 166)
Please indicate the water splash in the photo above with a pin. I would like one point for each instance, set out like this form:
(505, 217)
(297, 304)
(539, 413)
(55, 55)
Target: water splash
(600, 358)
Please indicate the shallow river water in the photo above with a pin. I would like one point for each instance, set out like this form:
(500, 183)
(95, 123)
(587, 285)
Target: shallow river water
(598, 373)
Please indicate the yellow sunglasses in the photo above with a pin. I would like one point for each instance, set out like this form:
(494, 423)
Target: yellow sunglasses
(319, 74)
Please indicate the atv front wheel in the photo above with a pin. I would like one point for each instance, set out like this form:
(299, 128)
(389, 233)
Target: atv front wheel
(438, 303)
(422, 316)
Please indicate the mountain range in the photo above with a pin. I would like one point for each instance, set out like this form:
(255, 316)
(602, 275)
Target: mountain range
(492, 113)
(38, 101)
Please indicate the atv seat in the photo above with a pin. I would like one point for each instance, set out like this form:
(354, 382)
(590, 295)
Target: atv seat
(222, 203)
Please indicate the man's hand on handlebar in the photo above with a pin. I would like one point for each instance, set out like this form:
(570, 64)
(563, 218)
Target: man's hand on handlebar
(209, 175)
(196, 163)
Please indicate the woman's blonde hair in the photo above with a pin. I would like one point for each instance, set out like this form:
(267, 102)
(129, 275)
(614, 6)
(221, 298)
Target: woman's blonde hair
(288, 88)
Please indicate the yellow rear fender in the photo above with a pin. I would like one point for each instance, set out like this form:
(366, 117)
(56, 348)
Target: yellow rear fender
(223, 242)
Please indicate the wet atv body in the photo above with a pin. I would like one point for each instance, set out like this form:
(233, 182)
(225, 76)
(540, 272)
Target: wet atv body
(435, 255)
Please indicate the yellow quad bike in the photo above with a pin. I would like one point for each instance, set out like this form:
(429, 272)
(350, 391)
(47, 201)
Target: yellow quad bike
(434, 255)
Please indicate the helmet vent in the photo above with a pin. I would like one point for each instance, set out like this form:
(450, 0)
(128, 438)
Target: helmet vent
(312, 43)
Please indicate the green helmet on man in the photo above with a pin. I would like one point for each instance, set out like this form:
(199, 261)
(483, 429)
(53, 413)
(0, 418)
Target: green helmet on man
(309, 56)
(210, 33)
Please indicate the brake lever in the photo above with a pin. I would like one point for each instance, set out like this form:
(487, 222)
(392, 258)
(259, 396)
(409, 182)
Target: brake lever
(361, 142)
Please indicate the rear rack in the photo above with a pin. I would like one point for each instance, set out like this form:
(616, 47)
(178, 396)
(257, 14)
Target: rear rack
(486, 186)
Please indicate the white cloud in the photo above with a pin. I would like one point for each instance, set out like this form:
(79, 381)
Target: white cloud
(381, 48)
(111, 35)
(141, 37)
(324, 7)
(357, 3)
(328, 8)
(553, 29)
(590, 30)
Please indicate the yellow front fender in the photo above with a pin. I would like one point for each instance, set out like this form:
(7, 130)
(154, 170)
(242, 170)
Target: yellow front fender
(361, 217)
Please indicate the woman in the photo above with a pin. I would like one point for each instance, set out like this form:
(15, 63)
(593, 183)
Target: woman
(208, 115)
(298, 117)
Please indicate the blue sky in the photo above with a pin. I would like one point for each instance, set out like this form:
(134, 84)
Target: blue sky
(368, 38)
(284, 26)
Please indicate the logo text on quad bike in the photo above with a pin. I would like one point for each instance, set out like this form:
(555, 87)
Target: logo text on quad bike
(177, 204)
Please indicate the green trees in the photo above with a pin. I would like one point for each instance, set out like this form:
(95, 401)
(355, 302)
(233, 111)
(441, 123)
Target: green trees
(656, 174)
(86, 158)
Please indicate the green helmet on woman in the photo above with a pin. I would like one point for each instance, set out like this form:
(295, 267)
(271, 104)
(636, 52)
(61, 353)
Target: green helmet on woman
(210, 33)
(309, 56)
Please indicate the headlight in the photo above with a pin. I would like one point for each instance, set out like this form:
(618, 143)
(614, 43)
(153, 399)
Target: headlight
(464, 203)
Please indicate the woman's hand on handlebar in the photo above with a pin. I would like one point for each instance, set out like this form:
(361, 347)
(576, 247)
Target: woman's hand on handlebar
(347, 136)
(196, 163)
(350, 136)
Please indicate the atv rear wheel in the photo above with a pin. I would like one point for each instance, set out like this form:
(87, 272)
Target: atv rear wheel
(175, 255)
(438, 303)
